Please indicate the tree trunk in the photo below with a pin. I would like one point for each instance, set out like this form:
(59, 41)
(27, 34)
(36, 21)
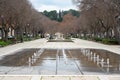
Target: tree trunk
(26, 33)
(116, 33)
(6, 35)
(107, 34)
(2, 34)
(21, 35)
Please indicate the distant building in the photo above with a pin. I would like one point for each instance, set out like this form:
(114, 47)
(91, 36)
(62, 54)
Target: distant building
(47, 36)
(10, 33)
(59, 36)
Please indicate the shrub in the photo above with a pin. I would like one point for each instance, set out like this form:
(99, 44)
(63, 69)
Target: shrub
(9, 42)
(67, 37)
(109, 41)
(3, 43)
(37, 37)
(97, 39)
(26, 39)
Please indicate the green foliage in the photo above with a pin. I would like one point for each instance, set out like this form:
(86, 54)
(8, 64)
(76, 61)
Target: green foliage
(9, 42)
(110, 41)
(37, 37)
(58, 16)
(103, 40)
(97, 39)
(46, 13)
(52, 14)
(3, 43)
(67, 37)
(18, 37)
(73, 12)
(26, 39)
(85, 38)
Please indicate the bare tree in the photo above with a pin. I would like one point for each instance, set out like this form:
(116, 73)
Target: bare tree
(99, 17)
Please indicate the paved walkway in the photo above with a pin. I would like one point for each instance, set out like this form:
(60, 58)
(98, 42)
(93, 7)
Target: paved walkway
(42, 43)
(59, 78)
(12, 48)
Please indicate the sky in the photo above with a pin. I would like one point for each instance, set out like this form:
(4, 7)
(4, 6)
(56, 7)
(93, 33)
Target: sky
(49, 5)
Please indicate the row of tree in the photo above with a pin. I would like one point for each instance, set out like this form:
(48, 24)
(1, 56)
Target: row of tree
(19, 16)
(64, 21)
(99, 18)
(22, 20)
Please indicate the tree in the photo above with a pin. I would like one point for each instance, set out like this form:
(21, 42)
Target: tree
(20, 16)
(100, 17)
(69, 24)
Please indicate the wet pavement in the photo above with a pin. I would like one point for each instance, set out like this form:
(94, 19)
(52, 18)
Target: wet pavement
(61, 62)
(19, 58)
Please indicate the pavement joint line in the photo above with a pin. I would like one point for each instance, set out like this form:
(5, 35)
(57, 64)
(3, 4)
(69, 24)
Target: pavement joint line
(76, 63)
(57, 61)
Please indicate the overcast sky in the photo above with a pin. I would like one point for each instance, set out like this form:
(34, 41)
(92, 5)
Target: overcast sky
(49, 5)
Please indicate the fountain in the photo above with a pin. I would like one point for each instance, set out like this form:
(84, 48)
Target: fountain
(35, 56)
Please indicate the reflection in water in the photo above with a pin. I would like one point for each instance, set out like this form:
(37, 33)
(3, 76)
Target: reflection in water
(65, 61)
(64, 56)
(19, 58)
(105, 59)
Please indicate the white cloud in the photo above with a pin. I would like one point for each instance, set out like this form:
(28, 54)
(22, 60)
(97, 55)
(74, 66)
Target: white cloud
(53, 5)
(48, 7)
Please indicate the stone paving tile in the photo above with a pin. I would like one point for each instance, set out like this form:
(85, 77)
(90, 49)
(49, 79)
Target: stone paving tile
(77, 78)
(55, 78)
(36, 78)
(16, 78)
(59, 78)
(1, 77)
(114, 78)
(103, 77)
(71, 78)
(91, 78)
